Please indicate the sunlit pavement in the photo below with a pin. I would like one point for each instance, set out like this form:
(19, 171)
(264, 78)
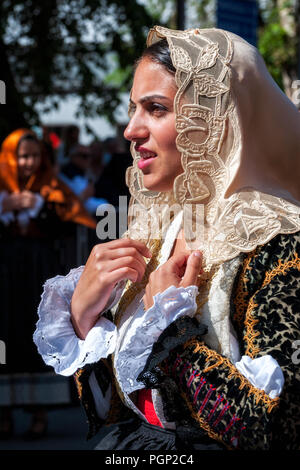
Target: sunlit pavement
(67, 429)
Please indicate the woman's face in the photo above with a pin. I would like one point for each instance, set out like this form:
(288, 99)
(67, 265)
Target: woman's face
(29, 158)
(152, 125)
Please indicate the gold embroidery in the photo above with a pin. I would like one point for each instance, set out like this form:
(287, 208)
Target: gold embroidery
(211, 355)
(282, 268)
(250, 322)
(240, 294)
(77, 375)
(203, 424)
(250, 334)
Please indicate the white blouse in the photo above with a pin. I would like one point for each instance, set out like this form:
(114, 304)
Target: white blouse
(132, 341)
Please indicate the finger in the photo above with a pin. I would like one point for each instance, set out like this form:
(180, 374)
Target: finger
(121, 274)
(176, 264)
(112, 259)
(193, 268)
(128, 261)
(128, 242)
(122, 252)
(177, 260)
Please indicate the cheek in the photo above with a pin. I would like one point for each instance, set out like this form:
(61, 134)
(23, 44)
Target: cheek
(167, 137)
(172, 150)
(36, 164)
(21, 165)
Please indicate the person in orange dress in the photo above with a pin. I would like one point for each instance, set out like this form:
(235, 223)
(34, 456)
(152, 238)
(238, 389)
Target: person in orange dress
(37, 213)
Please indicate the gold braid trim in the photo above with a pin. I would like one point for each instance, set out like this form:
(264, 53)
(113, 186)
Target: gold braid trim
(211, 355)
(240, 294)
(250, 322)
(76, 376)
(282, 268)
(203, 424)
(251, 334)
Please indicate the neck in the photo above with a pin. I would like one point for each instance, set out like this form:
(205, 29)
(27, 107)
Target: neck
(180, 245)
(24, 182)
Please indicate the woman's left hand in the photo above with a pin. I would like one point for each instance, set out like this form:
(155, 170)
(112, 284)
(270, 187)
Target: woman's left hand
(180, 271)
(28, 200)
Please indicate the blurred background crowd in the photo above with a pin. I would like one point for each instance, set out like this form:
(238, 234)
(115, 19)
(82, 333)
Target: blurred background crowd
(50, 188)
(54, 176)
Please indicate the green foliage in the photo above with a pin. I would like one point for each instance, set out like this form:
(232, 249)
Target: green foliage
(204, 12)
(277, 47)
(54, 48)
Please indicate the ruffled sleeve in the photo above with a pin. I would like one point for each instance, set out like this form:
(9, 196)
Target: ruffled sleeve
(146, 327)
(55, 337)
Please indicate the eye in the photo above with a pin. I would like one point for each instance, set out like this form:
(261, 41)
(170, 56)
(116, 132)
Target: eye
(157, 109)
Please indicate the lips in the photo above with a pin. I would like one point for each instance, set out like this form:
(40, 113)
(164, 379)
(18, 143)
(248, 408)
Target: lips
(147, 156)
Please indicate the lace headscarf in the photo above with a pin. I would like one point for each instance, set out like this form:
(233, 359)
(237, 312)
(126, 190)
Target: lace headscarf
(239, 138)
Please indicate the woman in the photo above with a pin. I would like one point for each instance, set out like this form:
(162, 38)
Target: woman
(196, 351)
(37, 211)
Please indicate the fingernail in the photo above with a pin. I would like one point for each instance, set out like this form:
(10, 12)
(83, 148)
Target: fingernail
(197, 253)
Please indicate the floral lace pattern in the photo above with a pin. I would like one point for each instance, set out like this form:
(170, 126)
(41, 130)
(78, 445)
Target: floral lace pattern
(210, 139)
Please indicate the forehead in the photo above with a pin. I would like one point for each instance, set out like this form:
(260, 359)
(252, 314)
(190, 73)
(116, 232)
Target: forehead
(152, 78)
(27, 146)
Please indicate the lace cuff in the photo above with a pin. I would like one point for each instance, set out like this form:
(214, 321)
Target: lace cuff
(55, 337)
(262, 372)
(145, 329)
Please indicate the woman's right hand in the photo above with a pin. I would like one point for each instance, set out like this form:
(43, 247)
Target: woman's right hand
(18, 201)
(12, 202)
(107, 264)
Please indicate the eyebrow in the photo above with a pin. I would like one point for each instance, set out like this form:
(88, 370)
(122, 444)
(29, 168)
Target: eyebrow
(146, 98)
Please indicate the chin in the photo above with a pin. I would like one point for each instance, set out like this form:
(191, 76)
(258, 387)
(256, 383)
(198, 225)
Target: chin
(157, 186)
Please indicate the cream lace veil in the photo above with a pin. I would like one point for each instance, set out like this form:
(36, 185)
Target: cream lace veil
(239, 137)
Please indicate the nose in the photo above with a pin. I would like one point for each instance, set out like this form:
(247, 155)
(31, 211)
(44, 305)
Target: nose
(136, 129)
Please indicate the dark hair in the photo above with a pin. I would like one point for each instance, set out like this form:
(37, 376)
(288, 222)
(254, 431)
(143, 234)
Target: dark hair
(159, 52)
(28, 137)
